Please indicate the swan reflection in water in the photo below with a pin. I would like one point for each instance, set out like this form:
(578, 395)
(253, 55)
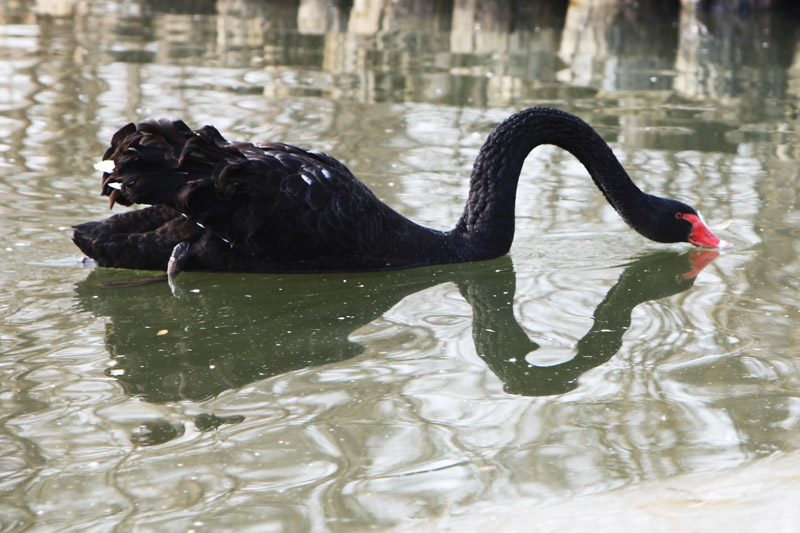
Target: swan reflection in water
(199, 345)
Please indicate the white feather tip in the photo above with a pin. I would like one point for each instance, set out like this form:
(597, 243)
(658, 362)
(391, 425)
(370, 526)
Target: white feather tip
(107, 165)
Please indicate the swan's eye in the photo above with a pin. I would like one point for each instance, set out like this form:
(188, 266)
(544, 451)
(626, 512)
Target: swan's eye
(679, 215)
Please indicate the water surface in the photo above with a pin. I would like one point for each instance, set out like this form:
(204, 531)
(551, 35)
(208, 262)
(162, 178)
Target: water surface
(587, 363)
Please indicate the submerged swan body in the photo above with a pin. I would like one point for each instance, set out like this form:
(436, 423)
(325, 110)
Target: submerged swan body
(231, 206)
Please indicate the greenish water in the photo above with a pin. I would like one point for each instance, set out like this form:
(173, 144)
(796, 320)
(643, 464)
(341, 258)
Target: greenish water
(373, 401)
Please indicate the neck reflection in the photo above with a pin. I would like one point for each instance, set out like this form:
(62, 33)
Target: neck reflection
(504, 345)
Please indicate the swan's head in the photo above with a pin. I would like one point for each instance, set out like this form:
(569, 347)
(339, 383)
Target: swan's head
(673, 221)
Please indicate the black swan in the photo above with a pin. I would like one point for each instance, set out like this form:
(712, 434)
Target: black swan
(222, 206)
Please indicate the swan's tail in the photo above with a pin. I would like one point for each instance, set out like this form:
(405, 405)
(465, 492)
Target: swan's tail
(151, 163)
(142, 239)
(184, 175)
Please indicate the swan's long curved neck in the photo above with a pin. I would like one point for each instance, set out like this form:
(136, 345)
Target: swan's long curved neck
(487, 224)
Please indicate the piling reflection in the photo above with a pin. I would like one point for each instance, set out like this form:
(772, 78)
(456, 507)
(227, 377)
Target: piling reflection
(244, 329)
(457, 52)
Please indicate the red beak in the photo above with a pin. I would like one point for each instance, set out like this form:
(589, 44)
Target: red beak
(701, 236)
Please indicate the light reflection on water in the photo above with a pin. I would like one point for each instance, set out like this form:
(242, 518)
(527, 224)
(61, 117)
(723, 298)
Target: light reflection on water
(364, 401)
